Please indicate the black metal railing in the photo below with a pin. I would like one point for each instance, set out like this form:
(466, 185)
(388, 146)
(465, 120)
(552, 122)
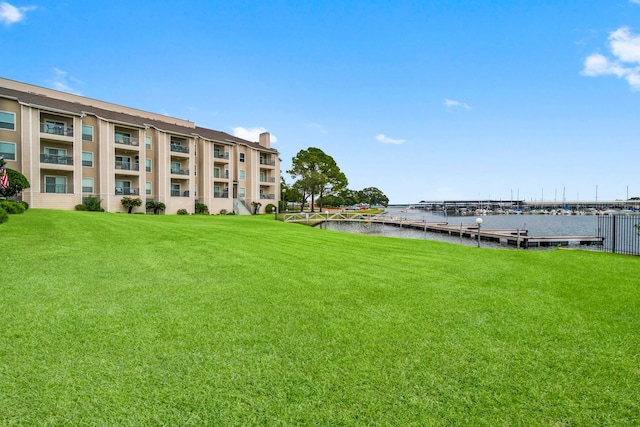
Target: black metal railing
(179, 193)
(127, 166)
(621, 233)
(53, 129)
(267, 179)
(264, 161)
(179, 148)
(220, 195)
(58, 188)
(57, 160)
(127, 191)
(180, 171)
(224, 155)
(127, 140)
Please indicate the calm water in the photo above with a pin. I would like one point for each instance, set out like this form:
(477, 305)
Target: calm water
(537, 225)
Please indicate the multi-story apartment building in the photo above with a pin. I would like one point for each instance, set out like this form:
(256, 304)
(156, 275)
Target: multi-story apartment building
(70, 147)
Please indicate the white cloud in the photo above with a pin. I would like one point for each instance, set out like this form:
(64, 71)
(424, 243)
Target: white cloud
(635, 1)
(9, 14)
(251, 134)
(317, 127)
(625, 64)
(61, 82)
(386, 140)
(450, 103)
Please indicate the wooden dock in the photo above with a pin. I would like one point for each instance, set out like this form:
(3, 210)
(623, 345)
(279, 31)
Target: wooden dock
(509, 237)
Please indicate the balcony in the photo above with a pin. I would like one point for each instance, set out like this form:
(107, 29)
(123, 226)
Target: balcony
(126, 191)
(218, 155)
(177, 148)
(179, 193)
(58, 188)
(221, 175)
(221, 195)
(267, 179)
(268, 196)
(127, 166)
(127, 140)
(56, 160)
(176, 171)
(267, 162)
(56, 129)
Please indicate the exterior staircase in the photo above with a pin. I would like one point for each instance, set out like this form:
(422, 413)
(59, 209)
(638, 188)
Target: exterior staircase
(239, 208)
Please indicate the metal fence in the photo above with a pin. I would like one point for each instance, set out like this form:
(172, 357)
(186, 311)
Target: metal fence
(621, 233)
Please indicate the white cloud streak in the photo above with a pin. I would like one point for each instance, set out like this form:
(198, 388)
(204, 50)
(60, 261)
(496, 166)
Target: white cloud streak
(61, 82)
(9, 14)
(251, 134)
(317, 127)
(450, 103)
(386, 140)
(625, 64)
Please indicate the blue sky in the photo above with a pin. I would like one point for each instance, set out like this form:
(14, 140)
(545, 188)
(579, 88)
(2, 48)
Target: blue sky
(422, 99)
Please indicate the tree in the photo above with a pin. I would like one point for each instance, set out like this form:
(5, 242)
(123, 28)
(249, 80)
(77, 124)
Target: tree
(155, 206)
(317, 173)
(130, 202)
(373, 196)
(17, 182)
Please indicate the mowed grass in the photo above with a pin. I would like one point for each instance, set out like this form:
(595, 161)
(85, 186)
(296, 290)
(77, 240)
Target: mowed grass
(114, 319)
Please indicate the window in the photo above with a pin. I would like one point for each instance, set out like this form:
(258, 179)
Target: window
(175, 189)
(8, 150)
(147, 165)
(123, 187)
(242, 174)
(175, 167)
(55, 127)
(123, 162)
(123, 138)
(55, 184)
(216, 172)
(87, 159)
(87, 185)
(242, 192)
(195, 171)
(195, 190)
(216, 191)
(147, 142)
(241, 157)
(87, 133)
(7, 120)
(147, 187)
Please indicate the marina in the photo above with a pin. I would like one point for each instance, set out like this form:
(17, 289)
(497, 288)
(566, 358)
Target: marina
(503, 236)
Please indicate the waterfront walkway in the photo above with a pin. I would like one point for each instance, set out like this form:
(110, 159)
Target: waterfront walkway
(511, 237)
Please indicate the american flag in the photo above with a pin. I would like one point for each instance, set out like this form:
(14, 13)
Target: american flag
(4, 178)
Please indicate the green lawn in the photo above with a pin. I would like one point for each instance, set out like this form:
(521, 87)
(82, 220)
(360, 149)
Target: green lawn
(114, 319)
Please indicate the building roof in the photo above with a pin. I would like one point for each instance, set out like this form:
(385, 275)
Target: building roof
(80, 109)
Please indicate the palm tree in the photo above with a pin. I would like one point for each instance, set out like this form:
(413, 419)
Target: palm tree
(130, 202)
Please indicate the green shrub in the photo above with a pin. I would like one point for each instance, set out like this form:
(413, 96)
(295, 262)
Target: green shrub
(154, 206)
(24, 204)
(81, 207)
(4, 216)
(201, 208)
(92, 204)
(12, 207)
(270, 208)
(182, 212)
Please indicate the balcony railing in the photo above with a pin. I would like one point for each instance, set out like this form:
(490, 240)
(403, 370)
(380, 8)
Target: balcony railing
(219, 155)
(53, 129)
(127, 191)
(128, 166)
(221, 175)
(264, 161)
(176, 148)
(180, 171)
(267, 196)
(179, 193)
(267, 179)
(221, 195)
(58, 188)
(127, 140)
(57, 160)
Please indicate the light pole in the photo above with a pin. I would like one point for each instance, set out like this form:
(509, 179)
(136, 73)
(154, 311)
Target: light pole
(479, 222)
